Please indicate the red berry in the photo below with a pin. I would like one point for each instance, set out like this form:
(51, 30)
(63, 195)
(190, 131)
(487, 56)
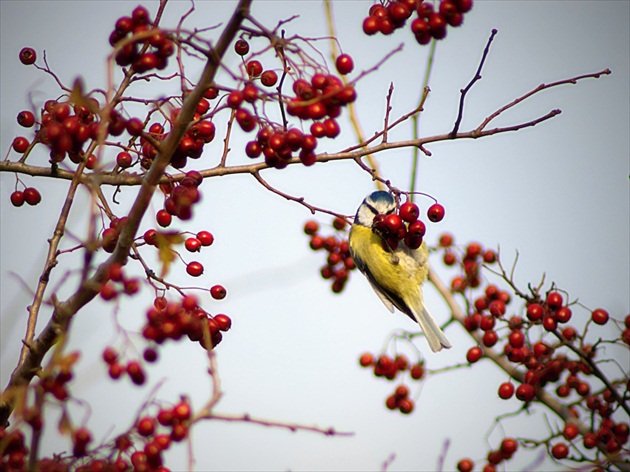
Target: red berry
(435, 212)
(489, 256)
(150, 354)
(525, 392)
(205, 237)
(192, 245)
(600, 316)
(474, 354)
(140, 15)
(26, 119)
(535, 312)
(194, 269)
(20, 144)
(508, 447)
(17, 198)
(465, 465)
(32, 196)
(179, 432)
(398, 12)
(590, 440)
(311, 227)
(241, 47)
(253, 149)
(182, 411)
(437, 26)
(550, 323)
(391, 402)
(235, 99)
(463, 6)
(416, 371)
(110, 355)
(402, 391)
(28, 56)
(224, 321)
(446, 240)
(490, 338)
(163, 218)
(405, 405)
(554, 300)
(506, 390)
(370, 25)
(366, 360)
(331, 128)
(393, 223)
(409, 212)
(497, 308)
(563, 314)
(115, 370)
(123, 159)
(516, 339)
(165, 417)
(218, 292)
(570, 431)
(560, 451)
(136, 373)
(269, 78)
(146, 426)
(254, 68)
(344, 64)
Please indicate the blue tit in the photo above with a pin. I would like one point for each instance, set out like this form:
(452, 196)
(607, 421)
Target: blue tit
(396, 276)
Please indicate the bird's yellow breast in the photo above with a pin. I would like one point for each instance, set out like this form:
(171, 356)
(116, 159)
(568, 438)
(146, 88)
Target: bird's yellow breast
(401, 272)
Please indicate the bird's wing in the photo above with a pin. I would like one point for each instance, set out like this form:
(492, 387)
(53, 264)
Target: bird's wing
(384, 298)
(362, 266)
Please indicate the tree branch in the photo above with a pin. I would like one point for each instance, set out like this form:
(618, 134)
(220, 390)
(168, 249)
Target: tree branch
(64, 311)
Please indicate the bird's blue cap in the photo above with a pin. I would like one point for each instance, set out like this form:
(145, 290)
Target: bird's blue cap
(381, 196)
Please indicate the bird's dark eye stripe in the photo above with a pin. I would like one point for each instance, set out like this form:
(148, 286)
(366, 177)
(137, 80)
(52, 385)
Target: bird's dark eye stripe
(391, 211)
(371, 208)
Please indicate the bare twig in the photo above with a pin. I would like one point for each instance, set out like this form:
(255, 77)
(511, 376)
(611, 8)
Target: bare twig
(465, 90)
(293, 427)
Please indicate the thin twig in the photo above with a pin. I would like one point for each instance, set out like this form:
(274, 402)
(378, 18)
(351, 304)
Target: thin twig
(293, 427)
(465, 90)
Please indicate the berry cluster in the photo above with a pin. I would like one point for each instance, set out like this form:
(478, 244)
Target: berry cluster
(191, 145)
(428, 24)
(116, 369)
(141, 46)
(110, 235)
(319, 99)
(471, 261)
(278, 146)
(385, 19)
(389, 368)
(567, 360)
(13, 450)
(180, 198)
(339, 263)
(55, 382)
(29, 195)
(116, 276)
(64, 128)
(170, 320)
(157, 433)
(505, 452)
(405, 225)
(490, 307)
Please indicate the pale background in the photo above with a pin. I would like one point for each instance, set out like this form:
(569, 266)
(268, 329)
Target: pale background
(557, 193)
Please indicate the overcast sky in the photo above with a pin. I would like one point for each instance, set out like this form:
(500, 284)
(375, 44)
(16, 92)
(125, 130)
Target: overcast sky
(557, 193)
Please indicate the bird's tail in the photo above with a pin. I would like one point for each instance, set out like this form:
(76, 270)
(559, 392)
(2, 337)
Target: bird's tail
(434, 334)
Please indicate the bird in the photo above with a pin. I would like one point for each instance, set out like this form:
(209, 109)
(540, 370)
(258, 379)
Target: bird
(396, 275)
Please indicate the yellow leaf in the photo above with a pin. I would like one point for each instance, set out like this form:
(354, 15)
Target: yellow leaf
(165, 242)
